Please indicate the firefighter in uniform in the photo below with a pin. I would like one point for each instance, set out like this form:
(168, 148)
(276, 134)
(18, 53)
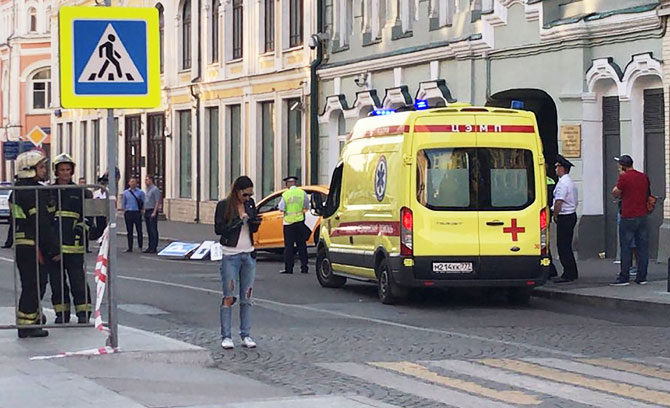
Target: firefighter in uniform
(33, 214)
(70, 220)
(294, 202)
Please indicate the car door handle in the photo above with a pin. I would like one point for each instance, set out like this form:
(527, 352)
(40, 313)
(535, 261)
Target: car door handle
(495, 223)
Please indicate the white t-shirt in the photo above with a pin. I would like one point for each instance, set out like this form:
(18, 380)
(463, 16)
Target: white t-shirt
(100, 194)
(566, 191)
(244, 244)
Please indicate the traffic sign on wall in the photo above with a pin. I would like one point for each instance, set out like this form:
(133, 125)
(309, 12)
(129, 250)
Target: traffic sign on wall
(109, 57)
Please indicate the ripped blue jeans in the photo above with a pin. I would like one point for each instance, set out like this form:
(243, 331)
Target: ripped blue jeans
(237, 277)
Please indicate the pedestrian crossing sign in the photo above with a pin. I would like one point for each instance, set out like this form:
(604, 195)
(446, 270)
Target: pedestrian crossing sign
(109, 57)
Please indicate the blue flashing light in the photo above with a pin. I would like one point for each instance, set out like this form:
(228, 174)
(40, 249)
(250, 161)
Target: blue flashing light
(383, 112)
(518, 104)
(421, 104)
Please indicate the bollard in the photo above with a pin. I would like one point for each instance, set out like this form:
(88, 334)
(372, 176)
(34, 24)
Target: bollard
(668, 275)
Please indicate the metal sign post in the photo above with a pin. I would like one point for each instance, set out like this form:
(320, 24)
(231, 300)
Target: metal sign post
(112, 194)
(109, 58)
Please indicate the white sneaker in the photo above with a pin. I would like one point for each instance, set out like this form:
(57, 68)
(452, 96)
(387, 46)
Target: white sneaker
(248, 342)
(227, 343)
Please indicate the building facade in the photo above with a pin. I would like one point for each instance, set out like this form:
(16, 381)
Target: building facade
(591, 70)
(25, 73)
(235, 99)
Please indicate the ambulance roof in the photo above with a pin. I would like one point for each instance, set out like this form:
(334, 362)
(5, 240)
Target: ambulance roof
(398, 123)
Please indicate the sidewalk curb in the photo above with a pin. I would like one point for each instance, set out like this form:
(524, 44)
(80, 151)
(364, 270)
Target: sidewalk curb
(602, 301)
(163, 239)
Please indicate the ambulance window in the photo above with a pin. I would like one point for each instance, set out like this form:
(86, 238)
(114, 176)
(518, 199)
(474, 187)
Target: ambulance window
(510, 177)
(333, 201)
(444, 178)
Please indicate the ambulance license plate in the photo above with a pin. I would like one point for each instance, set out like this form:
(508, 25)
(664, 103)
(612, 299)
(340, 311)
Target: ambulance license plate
(452, 267)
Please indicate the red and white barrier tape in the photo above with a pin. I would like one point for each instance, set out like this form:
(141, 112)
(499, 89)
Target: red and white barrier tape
(101, 282)
(92, 352)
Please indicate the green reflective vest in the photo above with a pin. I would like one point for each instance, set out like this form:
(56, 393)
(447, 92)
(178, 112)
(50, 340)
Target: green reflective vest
(294, 198)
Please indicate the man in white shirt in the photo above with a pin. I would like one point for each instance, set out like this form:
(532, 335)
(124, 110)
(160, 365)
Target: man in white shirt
(565, 216)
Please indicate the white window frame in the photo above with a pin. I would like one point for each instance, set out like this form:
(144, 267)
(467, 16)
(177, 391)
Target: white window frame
(210, 32)
(47, 89)
(32, 13)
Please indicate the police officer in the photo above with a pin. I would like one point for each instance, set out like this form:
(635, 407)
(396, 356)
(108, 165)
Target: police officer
(33, 214)
(551, 184)
(565, 216)
(70, 222)
(294, 202)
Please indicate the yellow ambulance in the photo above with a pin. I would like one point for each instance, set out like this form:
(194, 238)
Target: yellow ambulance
(444, 197)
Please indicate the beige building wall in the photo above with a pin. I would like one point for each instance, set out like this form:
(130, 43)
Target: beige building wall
(256, 78)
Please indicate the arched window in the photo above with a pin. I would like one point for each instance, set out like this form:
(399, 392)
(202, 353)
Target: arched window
(238, 25)
(186, 35)
(216, 4)
(32, 20)
(41, 89)
(161, 33)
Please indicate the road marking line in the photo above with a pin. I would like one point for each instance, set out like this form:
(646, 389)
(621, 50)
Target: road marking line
(370, 319)
(2, 258)
(630, 367)
(608, 373)
(408, 385)
(421, 372)
(562, 391)
(612, 387)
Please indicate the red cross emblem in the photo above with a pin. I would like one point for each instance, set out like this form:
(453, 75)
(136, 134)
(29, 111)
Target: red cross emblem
(514, 230)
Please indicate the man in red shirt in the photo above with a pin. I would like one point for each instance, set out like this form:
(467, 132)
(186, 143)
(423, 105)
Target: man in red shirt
(633, 189)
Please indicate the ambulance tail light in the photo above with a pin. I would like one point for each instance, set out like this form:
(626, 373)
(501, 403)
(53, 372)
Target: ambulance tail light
(406, 232)
(544, 232)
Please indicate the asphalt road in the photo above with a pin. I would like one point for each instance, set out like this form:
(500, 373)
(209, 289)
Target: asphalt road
(439, 349)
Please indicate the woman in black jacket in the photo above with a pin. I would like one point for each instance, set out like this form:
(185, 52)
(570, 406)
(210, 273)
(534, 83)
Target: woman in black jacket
(235, 221)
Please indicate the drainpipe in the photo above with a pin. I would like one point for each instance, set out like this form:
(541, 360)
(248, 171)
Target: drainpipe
(315, 42)
(196, 95)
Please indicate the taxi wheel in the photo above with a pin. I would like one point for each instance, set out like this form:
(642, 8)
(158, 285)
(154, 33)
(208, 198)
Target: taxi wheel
(389, 293)
(519, 296)
(324, 271)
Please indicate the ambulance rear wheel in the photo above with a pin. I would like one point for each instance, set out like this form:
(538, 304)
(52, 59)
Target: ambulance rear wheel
(324, 271)
(389, 293)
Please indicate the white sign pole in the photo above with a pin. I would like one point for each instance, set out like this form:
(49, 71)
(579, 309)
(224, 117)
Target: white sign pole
(112, 195)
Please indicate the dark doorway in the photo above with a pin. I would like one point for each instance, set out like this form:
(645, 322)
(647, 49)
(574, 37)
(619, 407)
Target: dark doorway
(611, 149)
(133, 149)
(156, 147)
(544, 108)
(654, 158)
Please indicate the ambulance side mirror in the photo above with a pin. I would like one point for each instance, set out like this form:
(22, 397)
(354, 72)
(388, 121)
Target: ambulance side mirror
(318, 203)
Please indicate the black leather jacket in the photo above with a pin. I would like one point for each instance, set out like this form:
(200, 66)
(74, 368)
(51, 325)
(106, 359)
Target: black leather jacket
(230, 231)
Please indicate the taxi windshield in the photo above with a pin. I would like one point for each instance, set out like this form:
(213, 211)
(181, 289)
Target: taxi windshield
(475, 178)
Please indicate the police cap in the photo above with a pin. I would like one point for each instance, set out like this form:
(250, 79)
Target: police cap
(563, 162)
(290, 178)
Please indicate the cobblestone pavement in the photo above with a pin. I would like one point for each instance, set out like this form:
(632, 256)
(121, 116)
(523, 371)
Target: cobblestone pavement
(454, 349)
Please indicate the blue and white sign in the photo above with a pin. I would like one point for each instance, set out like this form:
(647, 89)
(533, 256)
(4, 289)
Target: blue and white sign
(110, 57)
(10, 150)
(178, 249)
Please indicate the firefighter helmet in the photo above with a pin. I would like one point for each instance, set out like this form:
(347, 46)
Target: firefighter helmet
(27, 161)
(63, 158)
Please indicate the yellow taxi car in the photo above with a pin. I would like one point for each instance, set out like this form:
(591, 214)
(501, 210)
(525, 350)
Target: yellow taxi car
(270, 235)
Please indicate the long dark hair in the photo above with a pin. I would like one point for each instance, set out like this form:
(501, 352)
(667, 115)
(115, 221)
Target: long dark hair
(232, 201)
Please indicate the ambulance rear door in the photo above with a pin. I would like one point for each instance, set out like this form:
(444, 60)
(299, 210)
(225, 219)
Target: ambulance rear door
(443, 197)
(511, 210)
